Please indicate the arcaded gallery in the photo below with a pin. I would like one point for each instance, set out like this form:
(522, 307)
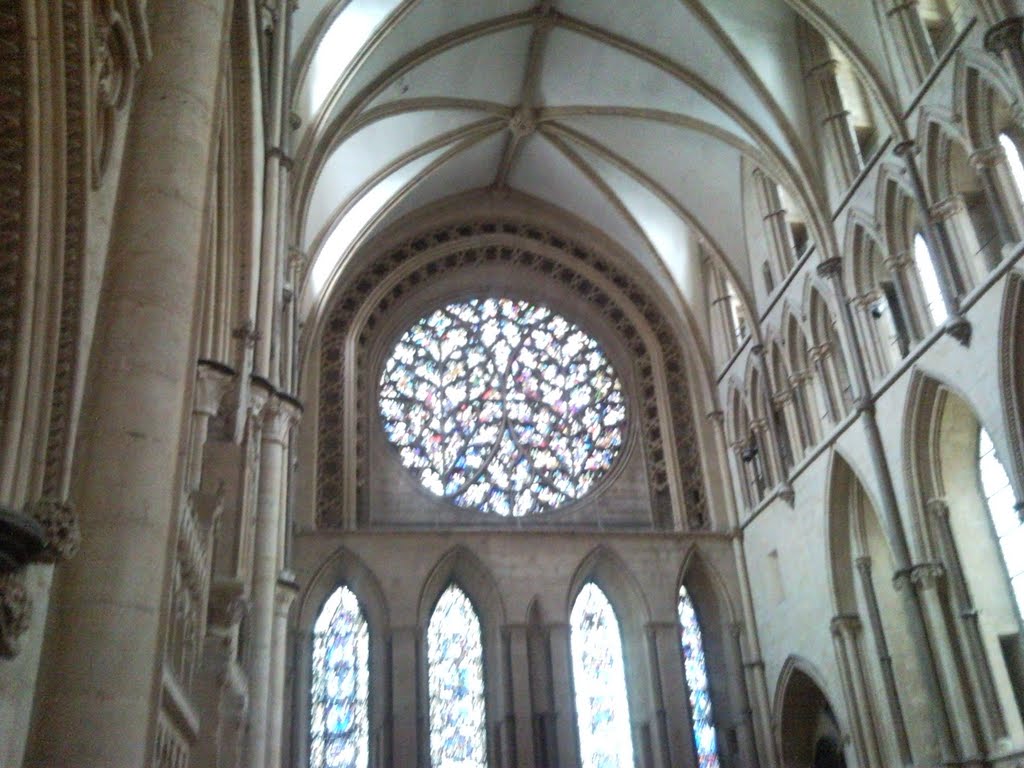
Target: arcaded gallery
(511, 383)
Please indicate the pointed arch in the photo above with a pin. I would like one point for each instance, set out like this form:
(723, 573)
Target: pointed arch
(807, 722)
(1011, 374)
(343, 570)
(983, 94)
(830, 355)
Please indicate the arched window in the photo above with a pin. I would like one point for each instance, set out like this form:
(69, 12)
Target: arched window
(933, 300)
(339, 722)
(455, 658)
(599, 679)
(696, 670)
(995, 485)
(1014, 162)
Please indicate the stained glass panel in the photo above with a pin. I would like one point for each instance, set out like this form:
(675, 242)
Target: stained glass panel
(339, 722)
(502, 406)
(696, 671)
(458, 736)
(1001, 506)
(599, 679)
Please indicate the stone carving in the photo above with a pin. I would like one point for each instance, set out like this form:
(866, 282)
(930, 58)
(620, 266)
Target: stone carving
(486, 244)
(112, 63)
(60, 528)
(15, 613)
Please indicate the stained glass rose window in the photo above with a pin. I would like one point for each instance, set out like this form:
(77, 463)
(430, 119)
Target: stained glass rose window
(503, 406)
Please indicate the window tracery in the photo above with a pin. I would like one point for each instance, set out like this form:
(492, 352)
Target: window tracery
(455, 659)
(695, 668)
(599, 682)
(339, 722)
(503, 406)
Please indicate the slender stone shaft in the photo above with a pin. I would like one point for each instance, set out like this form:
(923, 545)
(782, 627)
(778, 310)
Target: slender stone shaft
(285, 595)
(279, 416)
(98, 701)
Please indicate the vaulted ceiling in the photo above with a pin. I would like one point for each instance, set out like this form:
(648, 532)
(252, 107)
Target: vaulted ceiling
(633, 115)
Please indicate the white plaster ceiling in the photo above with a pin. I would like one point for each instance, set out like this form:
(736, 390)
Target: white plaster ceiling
(633, 116)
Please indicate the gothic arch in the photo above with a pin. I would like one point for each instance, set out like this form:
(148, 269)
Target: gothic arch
(983, 94)
(605, 568)
(806, 721)
(342, 568)
(1011, 374)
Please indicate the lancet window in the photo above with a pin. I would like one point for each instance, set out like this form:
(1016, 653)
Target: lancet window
(1008, 525)
(455, 679)
(339, 722)
(704, 734)
(599, 680)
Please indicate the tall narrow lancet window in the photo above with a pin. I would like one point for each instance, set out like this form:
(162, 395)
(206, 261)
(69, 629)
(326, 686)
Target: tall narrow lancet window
(1001, 507)
(696, 671)
(599, 679)
(929, 281)
(1014, 162)
(455, 658)
(339, 725)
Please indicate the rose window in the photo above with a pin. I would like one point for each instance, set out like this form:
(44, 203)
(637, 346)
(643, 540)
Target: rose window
(502, 406)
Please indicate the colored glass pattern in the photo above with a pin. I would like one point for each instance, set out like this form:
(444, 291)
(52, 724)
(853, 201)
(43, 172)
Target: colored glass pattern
(599, 679)
(1001, 506)
(696, 670)
(458, 736)
(339, 723)
(502, 406)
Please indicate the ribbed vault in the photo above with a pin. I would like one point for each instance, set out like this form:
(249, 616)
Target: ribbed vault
(635, 117)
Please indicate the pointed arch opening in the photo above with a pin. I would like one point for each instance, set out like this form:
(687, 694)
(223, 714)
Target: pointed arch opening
(455, 671)
(340, 690)
(599, 682)
(705, 735)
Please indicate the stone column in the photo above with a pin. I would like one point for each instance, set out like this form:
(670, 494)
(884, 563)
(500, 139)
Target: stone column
(845, 632)
(923, 578)
(952, 217)
(565, 706)
(1004, 40)
(1001, 194)
(267, 322)
(779, 469)
(892, 524)
(287, 589)
(279, 415)
(947, 271)
(519, 685)
(912, 41)
(127, 481)
(986, 697)
(835, 122)
(672, 696)
(892, 696)
(776, 228)
(405, 698)
(756, 682)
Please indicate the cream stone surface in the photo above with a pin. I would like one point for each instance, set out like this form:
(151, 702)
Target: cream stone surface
(218, 216)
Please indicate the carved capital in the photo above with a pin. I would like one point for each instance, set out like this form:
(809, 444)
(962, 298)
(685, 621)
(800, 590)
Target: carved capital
(213, 381)
(960, 329)
(926, 575)
(947, 208)
(60, 528)
(845, 624)
(15, 613)
(1006, 34)
(280, 415)
(988, 157)
(831, 268)
(227, 603)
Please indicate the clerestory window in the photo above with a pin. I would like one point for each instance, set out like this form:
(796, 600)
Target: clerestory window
(995, 485)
